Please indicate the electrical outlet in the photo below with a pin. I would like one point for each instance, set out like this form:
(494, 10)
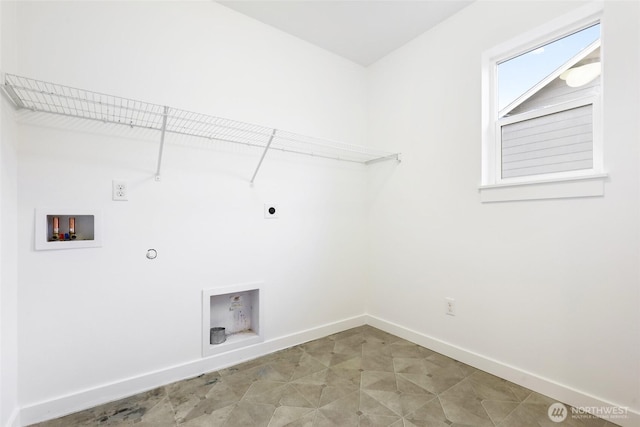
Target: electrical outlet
(450, 306)
(120, 190)
(270, 211)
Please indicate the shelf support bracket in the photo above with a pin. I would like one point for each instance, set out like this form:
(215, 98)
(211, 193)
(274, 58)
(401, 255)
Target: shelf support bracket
(396, 156)
(165, 113)
(264, 153)
(11, 94)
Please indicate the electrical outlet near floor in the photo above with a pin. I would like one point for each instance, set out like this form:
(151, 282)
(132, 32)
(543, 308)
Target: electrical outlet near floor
(120, 190)
(450, 306)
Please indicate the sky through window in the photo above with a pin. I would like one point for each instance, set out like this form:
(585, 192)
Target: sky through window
(518, 75)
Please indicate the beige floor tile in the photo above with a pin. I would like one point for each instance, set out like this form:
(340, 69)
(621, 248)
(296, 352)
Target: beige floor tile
(356, 378)
(385, 381)
(332, 393)
(400, 403)
(285, 415)
(378, 421)
(369, 405)
(307, 366)
(343, 411)
(463, 406)
(430, 414)
(409, 350)
(498, 410)
(490, 387)
(216, 418)
(311, 392)
(306, 420)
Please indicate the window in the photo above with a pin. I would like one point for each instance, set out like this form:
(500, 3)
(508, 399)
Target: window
(542, 111)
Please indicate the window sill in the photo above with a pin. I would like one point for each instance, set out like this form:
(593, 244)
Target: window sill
(584, 186)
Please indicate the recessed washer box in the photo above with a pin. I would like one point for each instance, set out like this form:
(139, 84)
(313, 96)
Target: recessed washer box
(67, 228)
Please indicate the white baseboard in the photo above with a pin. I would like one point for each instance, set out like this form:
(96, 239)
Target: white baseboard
(84, 399)
(545, 386)
(105, 393)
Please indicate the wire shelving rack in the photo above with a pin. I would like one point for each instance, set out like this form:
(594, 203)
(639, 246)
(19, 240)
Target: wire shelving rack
(41, 96)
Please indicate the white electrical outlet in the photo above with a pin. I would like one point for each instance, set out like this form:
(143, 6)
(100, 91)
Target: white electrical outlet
(450, 306)
(120, 190)
(270, 211)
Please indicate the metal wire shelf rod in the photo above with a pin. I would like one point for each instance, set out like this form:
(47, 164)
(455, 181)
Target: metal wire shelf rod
(46, 97)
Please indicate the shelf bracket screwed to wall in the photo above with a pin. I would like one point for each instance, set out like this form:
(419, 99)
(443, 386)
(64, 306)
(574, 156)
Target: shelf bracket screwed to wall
(162, 134)
(395, 156)
(264, 153)
(13, 96)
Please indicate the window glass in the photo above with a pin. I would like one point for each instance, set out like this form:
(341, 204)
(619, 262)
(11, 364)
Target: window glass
(518, 75)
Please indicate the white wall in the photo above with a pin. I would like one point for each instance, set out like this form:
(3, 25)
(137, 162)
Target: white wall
(8, 234)
(91, 317)
(549, 288)
(9, 266)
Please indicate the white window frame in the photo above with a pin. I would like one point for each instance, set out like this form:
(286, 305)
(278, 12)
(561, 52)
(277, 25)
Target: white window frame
(552, 185)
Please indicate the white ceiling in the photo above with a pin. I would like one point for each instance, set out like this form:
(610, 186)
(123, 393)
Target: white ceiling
(360, 30)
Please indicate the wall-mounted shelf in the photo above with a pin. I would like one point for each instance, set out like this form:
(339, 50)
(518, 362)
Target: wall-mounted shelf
(41, 96)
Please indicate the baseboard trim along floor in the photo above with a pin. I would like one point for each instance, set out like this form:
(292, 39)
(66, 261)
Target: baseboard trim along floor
(541, 385)
(84, 399)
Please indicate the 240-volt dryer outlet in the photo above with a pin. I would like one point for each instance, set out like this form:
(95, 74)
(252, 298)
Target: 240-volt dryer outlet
(270, 211)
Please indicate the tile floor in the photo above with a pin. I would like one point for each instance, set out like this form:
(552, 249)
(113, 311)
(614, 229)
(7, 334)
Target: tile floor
(359, 377)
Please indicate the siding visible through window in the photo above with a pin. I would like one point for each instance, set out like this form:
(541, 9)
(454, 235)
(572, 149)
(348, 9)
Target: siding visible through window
(542, 121)
(561, 141)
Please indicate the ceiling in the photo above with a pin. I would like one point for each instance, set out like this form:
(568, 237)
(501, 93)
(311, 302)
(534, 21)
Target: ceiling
(362, 31)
